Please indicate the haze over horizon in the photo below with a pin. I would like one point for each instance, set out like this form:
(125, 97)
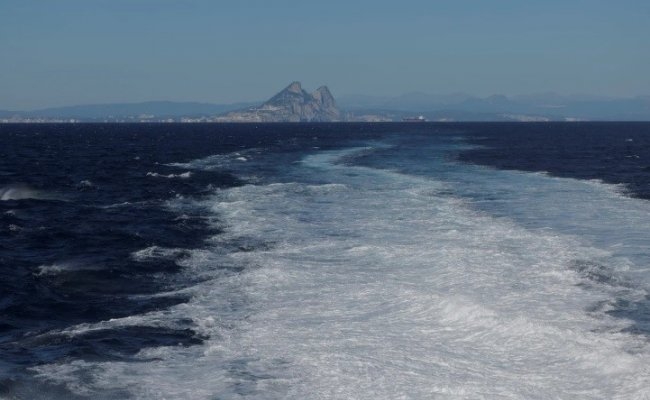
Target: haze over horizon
(81, 52)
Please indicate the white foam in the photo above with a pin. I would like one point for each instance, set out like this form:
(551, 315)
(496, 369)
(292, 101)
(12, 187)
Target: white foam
(18, 192)
(68, 266)
(184, 175)
(599, 213)
(220, 161)
(85, 184)
(14, 228)
(157, 252)
(24, 192)
(374, 286)
(119, 205)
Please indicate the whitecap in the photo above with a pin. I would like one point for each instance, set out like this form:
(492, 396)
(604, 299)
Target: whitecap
(18, 192)
(15, 228)
(220, 161)
(157, 252)
(184, 175)
(64, 267)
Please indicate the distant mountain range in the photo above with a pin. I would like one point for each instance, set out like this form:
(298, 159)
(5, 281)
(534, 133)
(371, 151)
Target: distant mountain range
(295, 104)
(546, 106)
(149, 109)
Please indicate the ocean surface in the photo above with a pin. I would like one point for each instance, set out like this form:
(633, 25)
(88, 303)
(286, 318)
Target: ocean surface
(325, 261)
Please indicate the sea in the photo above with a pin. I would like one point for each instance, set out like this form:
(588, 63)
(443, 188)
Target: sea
(325, 261)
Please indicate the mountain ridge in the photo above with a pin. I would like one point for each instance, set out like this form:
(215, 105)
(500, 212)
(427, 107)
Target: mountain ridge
(160, 108)
(292, 104)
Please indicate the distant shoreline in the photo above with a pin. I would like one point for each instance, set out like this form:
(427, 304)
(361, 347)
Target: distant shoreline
(313, 122)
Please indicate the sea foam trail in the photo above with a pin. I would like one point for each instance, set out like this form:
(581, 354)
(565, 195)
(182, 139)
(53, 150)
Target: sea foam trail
(596, 212)
(370, 284)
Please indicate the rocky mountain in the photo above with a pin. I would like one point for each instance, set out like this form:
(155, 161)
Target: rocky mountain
(293, 104)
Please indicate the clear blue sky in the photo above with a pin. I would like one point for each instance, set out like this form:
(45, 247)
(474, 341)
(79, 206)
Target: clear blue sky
(94, 51)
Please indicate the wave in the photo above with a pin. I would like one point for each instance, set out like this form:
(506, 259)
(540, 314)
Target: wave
(220, 161)
(184, 175)
(24, 192)
(85, 185)
(620, 189)
(64, 267)
(19, 192)
(156, 252)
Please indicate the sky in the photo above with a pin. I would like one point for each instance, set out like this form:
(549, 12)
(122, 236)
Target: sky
(67, 52)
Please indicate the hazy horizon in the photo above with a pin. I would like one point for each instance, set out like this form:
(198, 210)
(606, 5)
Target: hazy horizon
(346, 98)
(77, 52)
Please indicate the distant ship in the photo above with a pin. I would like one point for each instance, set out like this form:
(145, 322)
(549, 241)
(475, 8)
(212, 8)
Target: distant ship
(414, 119)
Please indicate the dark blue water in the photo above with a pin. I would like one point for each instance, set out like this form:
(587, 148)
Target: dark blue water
(613, 152)
(77, 201)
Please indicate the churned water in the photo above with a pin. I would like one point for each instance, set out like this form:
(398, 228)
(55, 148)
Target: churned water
(338, 261)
